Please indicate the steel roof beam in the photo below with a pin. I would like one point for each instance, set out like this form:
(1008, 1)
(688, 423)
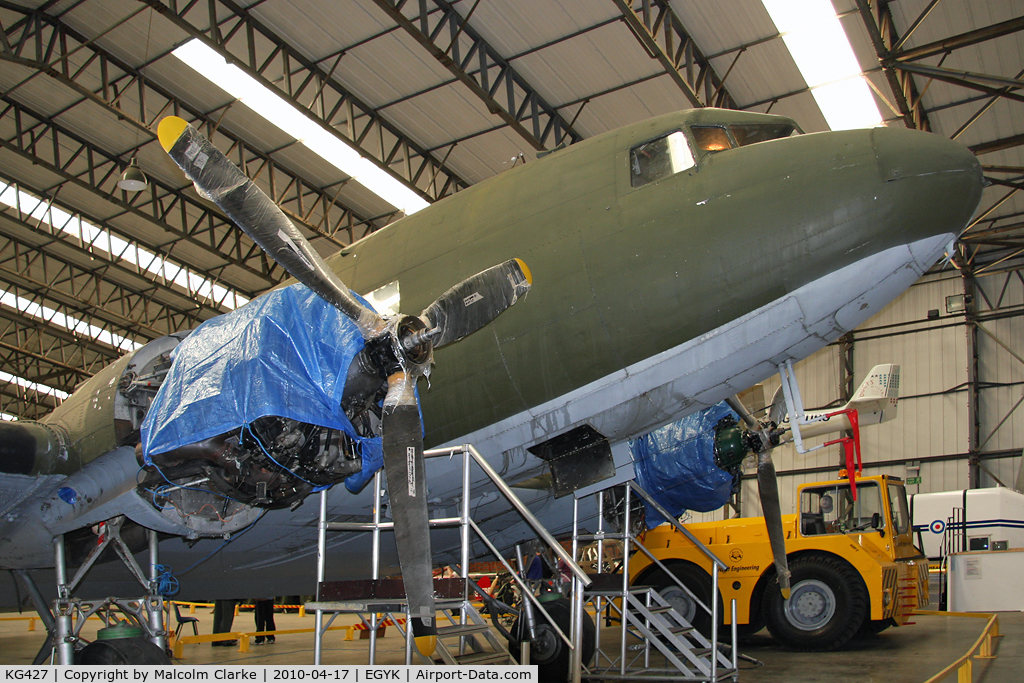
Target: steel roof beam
(46, 143)
(19, 359)
(882, 31)
(169, 318)
(956, 78)
(239, 37)
(25, 404)
(127, 94)
(97, 355)
(76, 293)
(661, 33)
(957, 42)
(965, 78)
(43, 236)
(449, 38)
(69, 356)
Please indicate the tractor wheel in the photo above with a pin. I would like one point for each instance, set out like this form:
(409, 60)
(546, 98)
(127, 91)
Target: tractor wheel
(551, 655)
(827, 606)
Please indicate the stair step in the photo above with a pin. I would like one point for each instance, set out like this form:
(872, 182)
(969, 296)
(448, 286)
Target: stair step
(660, 609)
(461, 630)
(484, 658)
(680, 630)
(701, 651)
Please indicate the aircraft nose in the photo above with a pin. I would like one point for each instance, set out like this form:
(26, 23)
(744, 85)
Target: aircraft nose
(938, 179)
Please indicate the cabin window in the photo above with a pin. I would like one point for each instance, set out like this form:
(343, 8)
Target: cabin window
(387, 299)
(659, 159)
(711, 138)
(898, 508)
(751, 133)
(832, 509)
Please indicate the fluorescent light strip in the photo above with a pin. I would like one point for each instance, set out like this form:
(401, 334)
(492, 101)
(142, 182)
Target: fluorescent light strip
(196, 286)
(822, 52)
(76, 325)
(8, 417)
(32, 386)
(295, 123)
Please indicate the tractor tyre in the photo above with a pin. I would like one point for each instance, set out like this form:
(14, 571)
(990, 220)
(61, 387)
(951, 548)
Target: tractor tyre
(827, 606)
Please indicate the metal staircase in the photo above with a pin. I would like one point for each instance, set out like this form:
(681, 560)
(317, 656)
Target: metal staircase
(459, 644)
(656, 641)
(649, 617)
(667, 646)
(468, 639)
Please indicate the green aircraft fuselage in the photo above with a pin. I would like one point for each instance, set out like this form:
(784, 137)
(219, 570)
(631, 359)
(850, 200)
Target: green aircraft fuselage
(655, 291)
(622, 273)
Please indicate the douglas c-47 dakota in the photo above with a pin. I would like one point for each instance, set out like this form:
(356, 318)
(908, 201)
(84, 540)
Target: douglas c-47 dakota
(668, 265)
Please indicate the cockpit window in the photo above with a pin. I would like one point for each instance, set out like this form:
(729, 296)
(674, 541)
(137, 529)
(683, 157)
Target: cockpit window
(711, 138)
(750, 133)
(659, 159)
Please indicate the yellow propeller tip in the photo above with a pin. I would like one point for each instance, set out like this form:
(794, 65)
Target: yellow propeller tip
(526, 270)
(785, 593)
(426, 645)
(169, 130)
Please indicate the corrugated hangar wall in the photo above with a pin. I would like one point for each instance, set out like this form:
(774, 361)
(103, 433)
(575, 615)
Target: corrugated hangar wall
(938, 400)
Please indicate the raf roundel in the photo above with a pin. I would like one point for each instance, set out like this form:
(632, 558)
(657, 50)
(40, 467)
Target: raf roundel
(938, 526)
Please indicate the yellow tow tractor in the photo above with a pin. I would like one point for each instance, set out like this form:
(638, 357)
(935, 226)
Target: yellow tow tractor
(853, 562)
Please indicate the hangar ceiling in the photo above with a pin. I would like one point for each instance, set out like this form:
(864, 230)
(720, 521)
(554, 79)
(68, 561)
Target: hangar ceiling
(440, 94)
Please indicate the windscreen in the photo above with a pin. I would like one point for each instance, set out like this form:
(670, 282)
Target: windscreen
(659, 158)
(832, 510)
(711, 138)
(752, 133)
(898, 507)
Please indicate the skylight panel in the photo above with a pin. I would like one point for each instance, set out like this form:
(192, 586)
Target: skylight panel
(298, 125)
(197, 286)
(819, 46)
(68, 322)
(32, 386)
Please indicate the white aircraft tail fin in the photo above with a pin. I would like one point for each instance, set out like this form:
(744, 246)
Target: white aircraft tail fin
(875, 401)
(876, 398)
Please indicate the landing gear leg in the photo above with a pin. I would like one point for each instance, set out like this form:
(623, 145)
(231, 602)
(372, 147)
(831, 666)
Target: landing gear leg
(46, 651)
(154, 601)
(63, 633)
(70, 614)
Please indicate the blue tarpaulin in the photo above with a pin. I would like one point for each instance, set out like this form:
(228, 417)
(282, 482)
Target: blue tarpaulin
(285, 353)
(676, 465)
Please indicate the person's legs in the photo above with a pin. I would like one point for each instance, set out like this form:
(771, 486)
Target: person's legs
(264, 611)
(270, 626)
(223, 617)
(257, 612)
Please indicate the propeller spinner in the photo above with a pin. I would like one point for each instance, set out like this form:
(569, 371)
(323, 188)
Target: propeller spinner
(403, 344)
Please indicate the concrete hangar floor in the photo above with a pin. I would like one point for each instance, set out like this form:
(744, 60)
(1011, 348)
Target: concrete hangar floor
(910, 654)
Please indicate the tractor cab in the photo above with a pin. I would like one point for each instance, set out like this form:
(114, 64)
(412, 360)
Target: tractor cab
(875, 505)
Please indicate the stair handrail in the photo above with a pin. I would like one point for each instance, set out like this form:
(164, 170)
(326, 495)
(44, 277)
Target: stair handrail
(518, 504)
(679, 527)
(663, 567)
(520, 507)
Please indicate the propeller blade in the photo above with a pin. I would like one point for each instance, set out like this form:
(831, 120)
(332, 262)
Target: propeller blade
(254, 212)
(476, 301)
(777, 412)
(768, 490)
(407, 491)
